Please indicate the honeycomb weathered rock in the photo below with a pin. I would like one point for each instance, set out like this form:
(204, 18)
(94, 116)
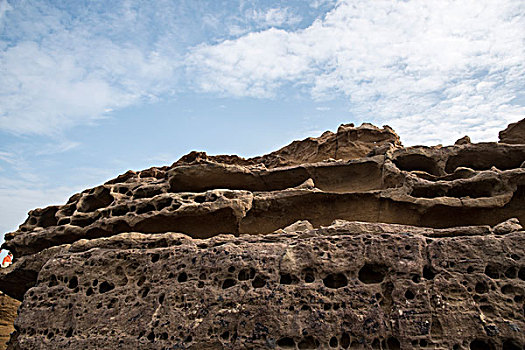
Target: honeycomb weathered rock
(307, 247)
(334, 287)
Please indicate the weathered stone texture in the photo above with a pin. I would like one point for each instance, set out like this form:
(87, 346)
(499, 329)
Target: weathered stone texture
(315, 289)
(8, 311)
(348, 240)
(514, 133)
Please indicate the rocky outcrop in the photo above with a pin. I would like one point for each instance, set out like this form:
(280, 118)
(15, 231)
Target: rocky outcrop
(8, 308)
(346, 285)
(514, 133)
(346, 240)
(348, 143)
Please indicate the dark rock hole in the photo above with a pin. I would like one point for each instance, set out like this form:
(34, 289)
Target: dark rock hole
(286, 279)
(258, 282)
(229, 282)
(345, 340)
(481, 288)
(73, 282)
(309, 275)
(428, 273)
(151, 336)
(510, 344)
(141, 209)
(286, 343)
(105, 287)
(335, 281)
(409, 294)
(164, 203)
(372, 273)
(200, 199)
(479, 344)
(507, 289)
(521, 274)
(246, 274)
(511, 272)
(308, 343)
(393, 343)
(418, 162)
(333, 342)
(492, 271)
(69, 333)
(183, 277)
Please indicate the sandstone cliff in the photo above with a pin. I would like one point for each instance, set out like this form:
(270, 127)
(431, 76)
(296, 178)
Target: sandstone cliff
(348, 240)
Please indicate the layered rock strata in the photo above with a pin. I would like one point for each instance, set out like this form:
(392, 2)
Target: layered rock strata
(418, 247)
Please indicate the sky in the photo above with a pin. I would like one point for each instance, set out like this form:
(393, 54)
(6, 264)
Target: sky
(90, 89)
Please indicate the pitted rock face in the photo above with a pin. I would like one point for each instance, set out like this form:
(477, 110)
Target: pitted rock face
(327, 288)
(305, 247)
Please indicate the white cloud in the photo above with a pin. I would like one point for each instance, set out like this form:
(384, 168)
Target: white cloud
(444, 63)
(319, 3)
(4, 7)
(427, 68)
(273, 17)
(7, 157)
(50, 89)
(59, 74)
(253, 65)
(57, 146)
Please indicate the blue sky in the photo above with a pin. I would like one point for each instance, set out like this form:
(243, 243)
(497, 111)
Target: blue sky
(90, 89)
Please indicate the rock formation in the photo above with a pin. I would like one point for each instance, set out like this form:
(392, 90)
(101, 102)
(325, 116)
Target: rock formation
(514, 133)
(8, 307)
(344, 241)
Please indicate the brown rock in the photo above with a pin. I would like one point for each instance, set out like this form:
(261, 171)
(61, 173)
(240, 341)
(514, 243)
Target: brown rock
(298, 226)
(8, 308)
(514, 133)
(463, 141)
(348, 143)
(389, 285)
(511, 225)
(345, 239)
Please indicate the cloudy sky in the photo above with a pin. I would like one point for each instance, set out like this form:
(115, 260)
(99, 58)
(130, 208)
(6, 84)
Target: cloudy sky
(90, 89)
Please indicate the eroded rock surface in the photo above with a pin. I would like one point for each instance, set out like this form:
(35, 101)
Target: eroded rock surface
(382, 286)
(514, 133)
(8, 311)
(346, 240)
